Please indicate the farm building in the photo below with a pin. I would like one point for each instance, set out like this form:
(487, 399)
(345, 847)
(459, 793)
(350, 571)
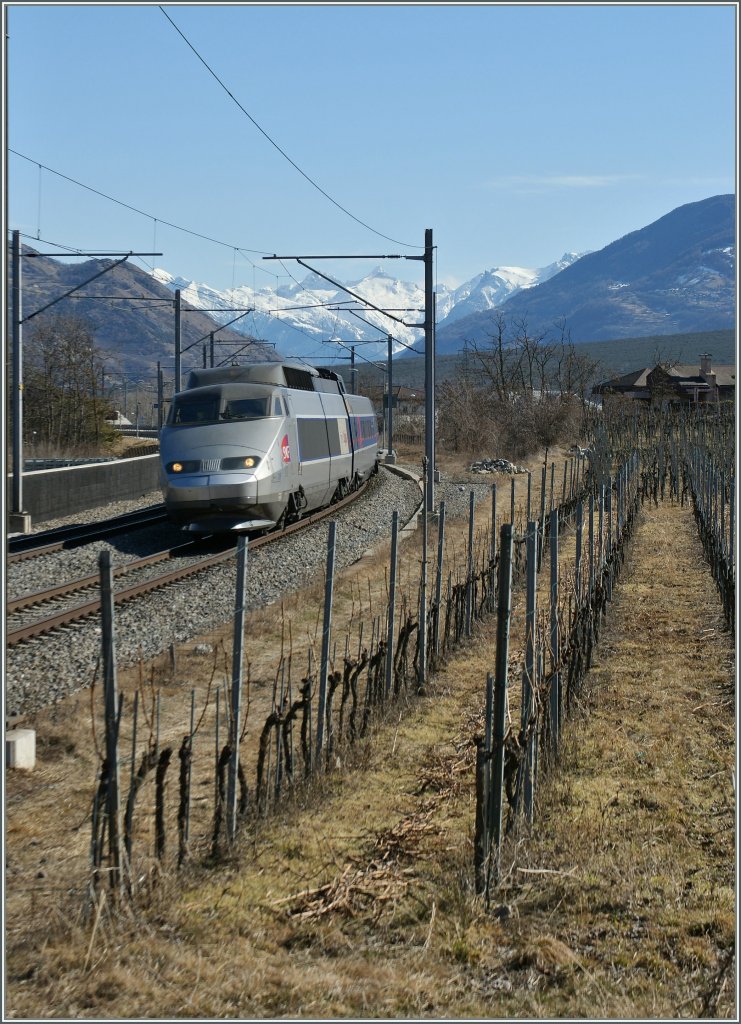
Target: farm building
(682, 383)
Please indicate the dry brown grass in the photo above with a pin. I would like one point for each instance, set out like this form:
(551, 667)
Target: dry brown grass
(355, 899)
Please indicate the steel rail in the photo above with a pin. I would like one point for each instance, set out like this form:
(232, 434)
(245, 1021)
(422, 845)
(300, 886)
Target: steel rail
(18, 604)
(62, 537)
(82, 611)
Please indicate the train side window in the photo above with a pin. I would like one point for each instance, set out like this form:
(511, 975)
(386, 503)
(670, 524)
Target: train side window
(278, 410)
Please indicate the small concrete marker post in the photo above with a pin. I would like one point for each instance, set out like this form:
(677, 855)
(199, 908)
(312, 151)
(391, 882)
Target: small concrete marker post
(20, 748)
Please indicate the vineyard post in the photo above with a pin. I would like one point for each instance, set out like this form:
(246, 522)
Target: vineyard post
(488, 739)
(439, 576)
(368, 701)
(111, 706)
(600, 528)
(504, 609)
(609, 537)
(190, 762)
(512, 500)
(553, 480)
(555, 640)
(732, 524)
(480, 835)
(392, 602)
(309, 705)
(278, 738)
(577, 567)
(542, 512)
(128, 814)
(662, 465)
(591, 545)
(529, 495)
(528, 675)
(237, 645)
(133, 738)
(482, 842)
(216, 743)
(326, 633)
(716, 503)
(712, 506)
(469, 561)
(423, 582)
(563, 486)
(493, 552)
(723, 513)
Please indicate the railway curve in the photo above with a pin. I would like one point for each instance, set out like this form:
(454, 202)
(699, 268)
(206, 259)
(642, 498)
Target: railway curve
(46, 668)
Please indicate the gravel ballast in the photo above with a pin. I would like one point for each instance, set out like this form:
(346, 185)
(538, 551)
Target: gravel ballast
(44, 670)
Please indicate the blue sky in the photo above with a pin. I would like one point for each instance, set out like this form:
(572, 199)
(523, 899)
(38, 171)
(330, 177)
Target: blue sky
(515, 132)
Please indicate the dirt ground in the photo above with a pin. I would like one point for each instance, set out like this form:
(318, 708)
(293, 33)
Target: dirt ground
(357, 899)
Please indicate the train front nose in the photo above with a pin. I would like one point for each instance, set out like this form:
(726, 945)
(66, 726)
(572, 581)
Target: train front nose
(210, 484)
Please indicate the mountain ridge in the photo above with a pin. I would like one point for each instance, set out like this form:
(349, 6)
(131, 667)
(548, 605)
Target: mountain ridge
(674, 276)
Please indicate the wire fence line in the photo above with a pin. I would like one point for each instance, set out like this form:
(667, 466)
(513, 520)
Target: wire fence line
(384, 660)
(558, 647)
(231, 776)
(668, 455)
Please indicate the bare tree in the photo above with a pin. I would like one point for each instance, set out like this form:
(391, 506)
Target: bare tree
(519, 390)
(63, 371)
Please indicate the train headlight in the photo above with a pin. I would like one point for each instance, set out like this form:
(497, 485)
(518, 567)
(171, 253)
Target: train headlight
(186, 466)
(240, 462)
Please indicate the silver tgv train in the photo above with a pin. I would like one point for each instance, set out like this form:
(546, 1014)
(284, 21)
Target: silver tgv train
(252, 447)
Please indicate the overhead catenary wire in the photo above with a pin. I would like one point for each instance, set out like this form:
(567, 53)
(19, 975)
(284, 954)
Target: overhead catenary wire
(264, 312)
(407, 245)
(241, 249)
(274, 313)
(244, 250)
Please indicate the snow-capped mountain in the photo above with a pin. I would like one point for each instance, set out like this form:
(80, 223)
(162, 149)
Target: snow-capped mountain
(495, 286)
(304, 317)
(676, 275)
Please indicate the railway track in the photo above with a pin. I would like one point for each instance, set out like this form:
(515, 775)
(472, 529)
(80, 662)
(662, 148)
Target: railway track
(65, 537)
(81, 590)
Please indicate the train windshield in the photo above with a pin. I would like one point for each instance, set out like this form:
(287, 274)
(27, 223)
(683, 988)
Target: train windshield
(195, 409)
(215, 408)
(246, 409)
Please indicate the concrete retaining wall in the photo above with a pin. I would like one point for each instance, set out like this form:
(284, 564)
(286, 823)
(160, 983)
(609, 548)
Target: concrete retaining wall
(54, 493)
